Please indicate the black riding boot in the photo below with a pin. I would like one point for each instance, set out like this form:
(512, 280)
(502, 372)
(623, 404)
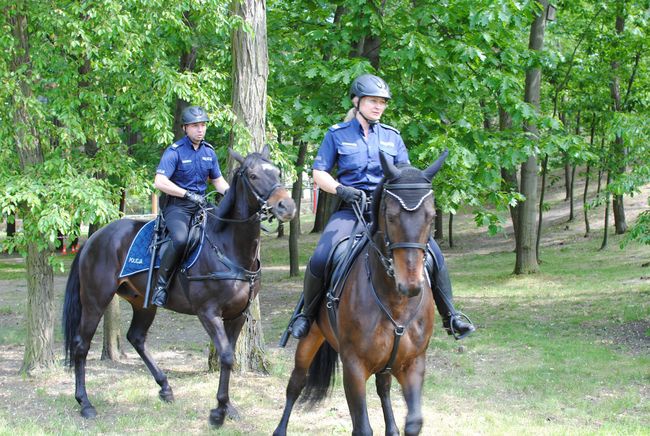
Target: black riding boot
(167, 267)
(456, 323)
(312, 289)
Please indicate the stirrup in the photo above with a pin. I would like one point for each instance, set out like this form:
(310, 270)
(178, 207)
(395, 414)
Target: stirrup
(452, 331)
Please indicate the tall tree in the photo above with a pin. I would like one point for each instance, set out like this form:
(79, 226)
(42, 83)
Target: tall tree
(250, 71)
(619, 147)
(526, 258)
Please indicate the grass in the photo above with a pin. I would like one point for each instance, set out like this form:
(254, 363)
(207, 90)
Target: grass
(565, 351)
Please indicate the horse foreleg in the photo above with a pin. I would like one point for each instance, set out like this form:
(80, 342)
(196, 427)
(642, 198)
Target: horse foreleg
(412, 380)
(137, 334)
(305, 352)
(87, 328)
(214, 325)
(355, 377)
(382, 382)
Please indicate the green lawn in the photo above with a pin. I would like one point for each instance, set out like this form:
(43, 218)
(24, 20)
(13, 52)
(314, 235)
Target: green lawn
(565, 351)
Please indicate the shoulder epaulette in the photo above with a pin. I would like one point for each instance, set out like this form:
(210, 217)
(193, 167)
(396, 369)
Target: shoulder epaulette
(175, 145)
(386, 126)
(207, 144)
(338, 126)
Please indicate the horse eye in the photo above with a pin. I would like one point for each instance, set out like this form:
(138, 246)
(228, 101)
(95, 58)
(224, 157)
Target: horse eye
(253, 176)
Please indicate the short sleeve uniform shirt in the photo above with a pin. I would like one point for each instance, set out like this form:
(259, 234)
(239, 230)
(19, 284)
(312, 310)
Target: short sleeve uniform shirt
(357, 157)
(189, 168)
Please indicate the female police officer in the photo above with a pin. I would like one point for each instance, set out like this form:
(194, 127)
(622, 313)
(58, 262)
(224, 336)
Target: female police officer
(182, 173)
(354, 147)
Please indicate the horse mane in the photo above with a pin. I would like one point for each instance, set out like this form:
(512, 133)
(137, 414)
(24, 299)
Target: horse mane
(409, 174)
(228, 202)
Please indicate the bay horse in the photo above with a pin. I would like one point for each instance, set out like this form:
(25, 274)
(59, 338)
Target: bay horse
(217, 288)
(381, 319)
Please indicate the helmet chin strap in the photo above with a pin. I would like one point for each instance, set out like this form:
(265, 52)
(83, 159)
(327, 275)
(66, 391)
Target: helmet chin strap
(371, 122)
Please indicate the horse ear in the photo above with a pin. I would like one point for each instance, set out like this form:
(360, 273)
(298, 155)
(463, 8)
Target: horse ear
(433, 169)
(238, 157)
(266, 151)
(390, 170)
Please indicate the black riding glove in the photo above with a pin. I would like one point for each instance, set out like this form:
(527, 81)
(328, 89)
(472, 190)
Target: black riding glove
(195, 198)
(348, 194)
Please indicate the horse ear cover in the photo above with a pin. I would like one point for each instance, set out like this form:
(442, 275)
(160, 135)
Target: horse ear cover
(433, 169)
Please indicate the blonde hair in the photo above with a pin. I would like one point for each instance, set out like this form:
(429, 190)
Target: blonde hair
(352, 113)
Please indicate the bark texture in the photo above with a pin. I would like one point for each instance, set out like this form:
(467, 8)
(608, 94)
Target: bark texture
(526, 257)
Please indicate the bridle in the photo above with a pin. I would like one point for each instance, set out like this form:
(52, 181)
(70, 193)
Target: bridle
(264, 212)
(388, 260)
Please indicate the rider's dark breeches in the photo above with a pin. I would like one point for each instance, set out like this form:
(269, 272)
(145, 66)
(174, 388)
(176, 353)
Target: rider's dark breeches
(177, 216)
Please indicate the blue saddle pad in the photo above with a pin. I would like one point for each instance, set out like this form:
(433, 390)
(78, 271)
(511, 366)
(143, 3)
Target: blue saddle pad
(138, 258)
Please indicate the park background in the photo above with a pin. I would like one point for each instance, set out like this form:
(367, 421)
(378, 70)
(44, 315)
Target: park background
(542, 204)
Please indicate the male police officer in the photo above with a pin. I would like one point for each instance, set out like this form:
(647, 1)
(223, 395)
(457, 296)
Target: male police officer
(182, 173)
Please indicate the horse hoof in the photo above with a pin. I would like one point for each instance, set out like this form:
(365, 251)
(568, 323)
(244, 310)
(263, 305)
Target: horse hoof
(413, 428)
(166, 395)
(88, 412)
(217, 416)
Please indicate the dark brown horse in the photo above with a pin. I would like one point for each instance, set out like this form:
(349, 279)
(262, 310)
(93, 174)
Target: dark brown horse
(217, 288)
(385, 310)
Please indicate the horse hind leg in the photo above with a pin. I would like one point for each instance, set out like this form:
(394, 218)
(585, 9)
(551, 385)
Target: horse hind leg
(305, 352)
(137, 334)
(382, 382)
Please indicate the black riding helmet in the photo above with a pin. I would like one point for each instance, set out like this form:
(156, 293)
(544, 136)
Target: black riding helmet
(194, 114)
(368, 85)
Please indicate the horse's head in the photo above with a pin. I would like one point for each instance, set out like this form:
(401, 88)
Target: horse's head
(261, 178)
(404, 213)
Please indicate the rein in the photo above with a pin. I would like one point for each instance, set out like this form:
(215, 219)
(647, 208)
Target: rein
(235, 271)
(387, 261)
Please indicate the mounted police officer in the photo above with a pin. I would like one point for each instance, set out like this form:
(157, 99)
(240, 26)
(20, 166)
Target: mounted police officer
(354, 147)
(181, 175)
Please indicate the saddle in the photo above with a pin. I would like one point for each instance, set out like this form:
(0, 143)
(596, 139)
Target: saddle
(339, 263)
(194, 239)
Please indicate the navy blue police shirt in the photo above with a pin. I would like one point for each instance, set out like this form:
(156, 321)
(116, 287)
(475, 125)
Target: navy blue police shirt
(357, 157)
(189, 168)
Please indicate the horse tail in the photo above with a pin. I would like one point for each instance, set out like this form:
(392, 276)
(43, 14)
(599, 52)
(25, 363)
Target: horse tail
(72, 309)
(322, 373)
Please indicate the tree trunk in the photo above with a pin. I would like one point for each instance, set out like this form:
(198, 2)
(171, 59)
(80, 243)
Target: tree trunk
(606, 225)
(540, 217)
(112, 346)
(294, 226)
(451, 228)
(585, 206)
(11, 226)
(249, 77)
(509, 176)
(619, 152)
(250, 70)
(571, 186)
(526, 257)
(280, 230)
(39, 351)
(326, 205)
(438, 233)
(187, 63)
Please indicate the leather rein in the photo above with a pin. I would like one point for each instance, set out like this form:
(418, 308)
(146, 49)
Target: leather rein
(235, 271)
(388, 262)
